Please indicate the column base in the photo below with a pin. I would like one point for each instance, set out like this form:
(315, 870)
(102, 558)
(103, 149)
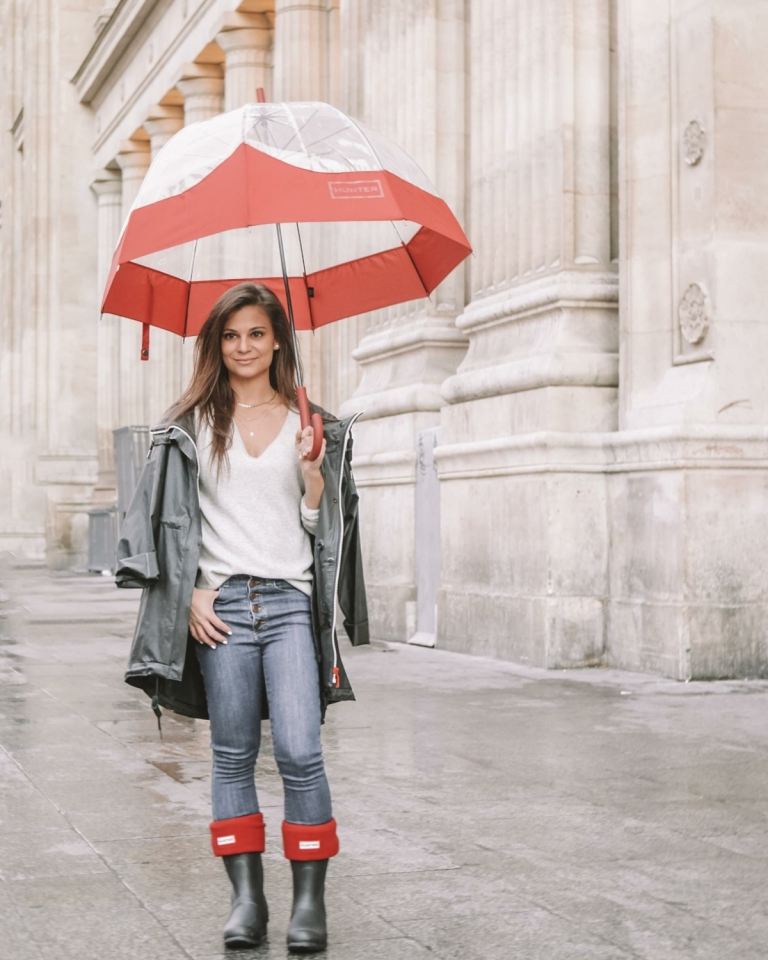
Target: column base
(402, 368)
(68, 481)
(23, 544)
(542, 355)
(641, 550)
(386, 479)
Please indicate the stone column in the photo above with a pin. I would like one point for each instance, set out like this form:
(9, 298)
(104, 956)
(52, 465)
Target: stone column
(524, 529)
(333, 91)
(301, 73)
(542, 321)
(202, 86)
(246, 40)
(689, 487)
(161, 124)
(23, 504)
(301, 49)
(133, 158)
(60, 309)
(341, 372)
(409, 350)
(18, 408)
(165, 364)
(108, 188)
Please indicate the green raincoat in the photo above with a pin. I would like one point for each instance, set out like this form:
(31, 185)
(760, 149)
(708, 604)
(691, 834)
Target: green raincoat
(159, 549)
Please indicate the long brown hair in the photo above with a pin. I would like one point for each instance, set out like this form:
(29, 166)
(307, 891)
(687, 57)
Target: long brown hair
(209, 391)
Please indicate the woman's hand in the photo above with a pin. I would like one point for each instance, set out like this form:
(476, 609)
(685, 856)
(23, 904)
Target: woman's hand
(204, 625)
(310, 469)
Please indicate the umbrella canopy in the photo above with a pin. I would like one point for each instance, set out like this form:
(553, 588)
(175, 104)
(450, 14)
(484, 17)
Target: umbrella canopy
(362, 227)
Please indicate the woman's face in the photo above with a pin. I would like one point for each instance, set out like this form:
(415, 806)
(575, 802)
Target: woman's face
(247, 343)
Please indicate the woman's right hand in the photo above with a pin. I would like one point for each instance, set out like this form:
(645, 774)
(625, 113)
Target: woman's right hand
(204, 625)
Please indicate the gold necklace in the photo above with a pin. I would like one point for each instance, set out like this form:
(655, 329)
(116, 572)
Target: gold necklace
(242, 419)
(261, 403)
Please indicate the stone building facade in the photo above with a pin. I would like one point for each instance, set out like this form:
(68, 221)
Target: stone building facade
(564, 455)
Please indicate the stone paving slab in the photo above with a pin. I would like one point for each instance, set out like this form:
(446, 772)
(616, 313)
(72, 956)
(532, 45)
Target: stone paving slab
(486, 810)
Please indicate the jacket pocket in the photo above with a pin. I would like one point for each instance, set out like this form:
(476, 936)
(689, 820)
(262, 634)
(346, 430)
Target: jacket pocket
(171, 543)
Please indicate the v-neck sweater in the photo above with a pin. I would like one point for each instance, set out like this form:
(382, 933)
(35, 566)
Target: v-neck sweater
(254, 519)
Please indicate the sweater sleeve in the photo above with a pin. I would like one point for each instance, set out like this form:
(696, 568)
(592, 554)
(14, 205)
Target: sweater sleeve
(309, 517)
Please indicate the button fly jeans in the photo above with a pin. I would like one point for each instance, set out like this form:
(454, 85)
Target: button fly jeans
(270, 652)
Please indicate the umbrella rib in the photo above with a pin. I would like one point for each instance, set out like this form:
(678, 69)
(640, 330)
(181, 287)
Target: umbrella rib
(306, 285)
(328, 136)
(297, 132)
(189, 290)
(415, 268)
(410, 257)
(289, 304)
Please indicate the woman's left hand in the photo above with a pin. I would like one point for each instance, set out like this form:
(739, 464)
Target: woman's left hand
(310, 469)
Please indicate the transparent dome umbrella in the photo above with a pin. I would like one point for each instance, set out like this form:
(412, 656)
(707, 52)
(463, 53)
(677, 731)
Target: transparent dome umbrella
(333, 218)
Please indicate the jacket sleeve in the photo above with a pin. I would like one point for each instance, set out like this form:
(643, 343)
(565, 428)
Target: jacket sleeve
(136, 550)
(351, 581)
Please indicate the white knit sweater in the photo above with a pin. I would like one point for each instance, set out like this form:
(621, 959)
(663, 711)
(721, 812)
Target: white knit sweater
(254, 519)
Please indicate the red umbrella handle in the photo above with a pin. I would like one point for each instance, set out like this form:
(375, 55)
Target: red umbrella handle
(307, 419)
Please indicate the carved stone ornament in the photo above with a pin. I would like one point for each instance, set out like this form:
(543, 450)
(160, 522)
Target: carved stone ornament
(693, 313)
(694, 139)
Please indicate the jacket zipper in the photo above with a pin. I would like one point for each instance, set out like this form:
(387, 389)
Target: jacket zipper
(335, 673)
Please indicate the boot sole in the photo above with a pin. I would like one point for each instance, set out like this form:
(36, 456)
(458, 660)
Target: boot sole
(315, 947)
(242, 942)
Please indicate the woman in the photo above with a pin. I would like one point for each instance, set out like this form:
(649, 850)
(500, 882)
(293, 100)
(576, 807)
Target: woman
(243, 545)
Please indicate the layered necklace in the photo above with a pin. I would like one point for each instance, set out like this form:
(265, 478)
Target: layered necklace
(251, 406)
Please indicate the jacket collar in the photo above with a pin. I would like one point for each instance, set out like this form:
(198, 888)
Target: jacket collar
(184, 432)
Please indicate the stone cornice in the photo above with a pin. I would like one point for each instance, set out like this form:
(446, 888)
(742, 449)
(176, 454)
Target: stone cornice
(112, 41)
(107, 183)
(576, 369)
(694, 447)
(407, 398)
(243, 30)
(564, 287)
(395, 340)
(126, 21)
(392, 468)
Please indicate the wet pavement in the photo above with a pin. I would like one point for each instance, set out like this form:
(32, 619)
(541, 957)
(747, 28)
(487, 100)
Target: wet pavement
(485, 810)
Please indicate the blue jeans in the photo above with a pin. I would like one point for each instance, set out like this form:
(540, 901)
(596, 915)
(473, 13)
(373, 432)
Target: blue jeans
(271, 652)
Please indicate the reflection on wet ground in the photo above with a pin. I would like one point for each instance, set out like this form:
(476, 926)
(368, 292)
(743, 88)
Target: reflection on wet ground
(486, 810)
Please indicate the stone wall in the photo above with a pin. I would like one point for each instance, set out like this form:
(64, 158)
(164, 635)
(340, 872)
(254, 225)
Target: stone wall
(688, 519)
(584, 397)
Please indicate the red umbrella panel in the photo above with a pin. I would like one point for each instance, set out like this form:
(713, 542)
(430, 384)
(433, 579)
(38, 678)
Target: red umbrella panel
(362, 226)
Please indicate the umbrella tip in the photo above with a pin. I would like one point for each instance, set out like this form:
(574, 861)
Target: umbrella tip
(261, 96)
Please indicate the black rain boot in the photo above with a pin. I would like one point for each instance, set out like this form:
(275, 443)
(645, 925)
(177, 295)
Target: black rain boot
(307, 931)
(247, 924)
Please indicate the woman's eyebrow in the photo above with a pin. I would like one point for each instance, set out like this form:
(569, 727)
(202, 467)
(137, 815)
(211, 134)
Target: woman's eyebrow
(232, 329)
